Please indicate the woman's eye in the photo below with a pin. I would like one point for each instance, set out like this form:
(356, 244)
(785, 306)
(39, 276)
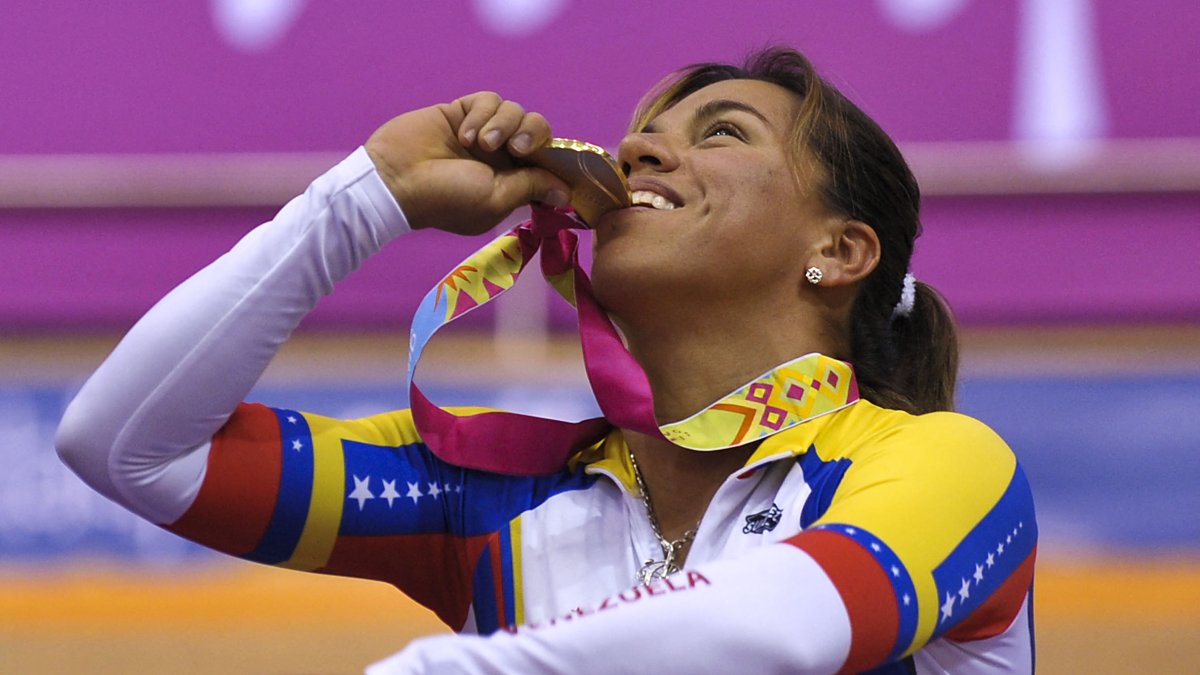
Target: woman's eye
(723, 129)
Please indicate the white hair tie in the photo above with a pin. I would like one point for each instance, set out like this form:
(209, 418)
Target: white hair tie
(908, 297)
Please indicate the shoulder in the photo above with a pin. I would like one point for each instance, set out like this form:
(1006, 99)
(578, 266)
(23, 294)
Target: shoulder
(956, 441)
(923, 482)
(944, 458)
(867, 429)
(950, 432)
(940, 460)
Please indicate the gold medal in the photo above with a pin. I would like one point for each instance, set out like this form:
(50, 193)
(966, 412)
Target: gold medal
(597, 183)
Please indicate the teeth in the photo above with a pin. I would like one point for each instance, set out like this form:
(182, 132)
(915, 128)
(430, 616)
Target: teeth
(647, 198)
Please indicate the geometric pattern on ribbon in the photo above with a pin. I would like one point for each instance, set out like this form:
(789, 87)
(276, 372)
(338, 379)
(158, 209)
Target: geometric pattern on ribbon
(487, 273)
(797, 391)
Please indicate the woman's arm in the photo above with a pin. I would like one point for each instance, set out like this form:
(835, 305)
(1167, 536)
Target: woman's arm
(771, 611)
(139, 430)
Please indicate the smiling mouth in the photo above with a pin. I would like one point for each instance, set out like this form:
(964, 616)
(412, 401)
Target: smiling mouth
(653, 200)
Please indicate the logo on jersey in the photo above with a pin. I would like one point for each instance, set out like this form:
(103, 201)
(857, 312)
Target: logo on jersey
(763, 521)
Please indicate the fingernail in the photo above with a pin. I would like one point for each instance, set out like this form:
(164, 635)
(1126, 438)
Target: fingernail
(492, 138)
(558, 199)
(470, 135)
(521, 142)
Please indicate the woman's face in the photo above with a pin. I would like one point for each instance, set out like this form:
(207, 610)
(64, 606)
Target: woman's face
(720, 212)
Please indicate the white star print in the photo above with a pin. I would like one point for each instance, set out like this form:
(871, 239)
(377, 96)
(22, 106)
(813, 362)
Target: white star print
(851, 530)
(1008, 540)
(1014, 531)
(1000, 549)
(991, 560)
(948, 607)
(895, 571)
(362, 491)
(978, 574)
(414, 492)
(1021, 524)
(907, 599)
(297, 445)
(291, 419)
(964, 591)
(434, 490)
(389, 492)
(875, 547)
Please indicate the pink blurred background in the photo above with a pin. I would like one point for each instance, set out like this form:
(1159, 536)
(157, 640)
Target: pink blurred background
(1056, 139)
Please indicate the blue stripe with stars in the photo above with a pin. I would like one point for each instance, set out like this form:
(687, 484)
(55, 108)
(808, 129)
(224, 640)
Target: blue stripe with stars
(295, 491)
(903, 589)
(987, 556)
(409, 490)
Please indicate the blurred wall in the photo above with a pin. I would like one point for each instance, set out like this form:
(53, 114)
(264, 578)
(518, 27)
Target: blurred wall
(1056, 140)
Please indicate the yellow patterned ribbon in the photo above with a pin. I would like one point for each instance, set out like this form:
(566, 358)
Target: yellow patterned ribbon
(795, 392)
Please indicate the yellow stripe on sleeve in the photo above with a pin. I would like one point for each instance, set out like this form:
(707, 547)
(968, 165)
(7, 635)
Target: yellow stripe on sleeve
(517, 578)
(328, 495)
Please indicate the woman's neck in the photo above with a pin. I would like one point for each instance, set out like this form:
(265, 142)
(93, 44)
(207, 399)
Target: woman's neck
(689, 366)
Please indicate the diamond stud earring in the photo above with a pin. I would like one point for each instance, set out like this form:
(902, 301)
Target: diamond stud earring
(814, 274)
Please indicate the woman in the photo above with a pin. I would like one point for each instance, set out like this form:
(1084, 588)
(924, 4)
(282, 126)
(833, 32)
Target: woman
(774, 225)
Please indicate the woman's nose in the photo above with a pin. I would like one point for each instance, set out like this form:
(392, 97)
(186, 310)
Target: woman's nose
(647, 152)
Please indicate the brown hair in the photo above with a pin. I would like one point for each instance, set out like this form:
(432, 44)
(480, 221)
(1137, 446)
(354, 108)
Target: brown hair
(905, 362)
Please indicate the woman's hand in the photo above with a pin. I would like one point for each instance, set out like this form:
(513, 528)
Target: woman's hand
(451, 166)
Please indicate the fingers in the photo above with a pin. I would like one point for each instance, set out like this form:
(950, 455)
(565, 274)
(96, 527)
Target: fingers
(494, 123)
(499, 130)
(531, 134)
(476, 109)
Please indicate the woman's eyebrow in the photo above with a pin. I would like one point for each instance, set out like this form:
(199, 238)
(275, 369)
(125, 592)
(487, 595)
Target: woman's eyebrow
(717, 107)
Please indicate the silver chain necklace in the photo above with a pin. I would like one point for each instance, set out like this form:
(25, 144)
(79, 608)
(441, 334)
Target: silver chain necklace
(658, 569)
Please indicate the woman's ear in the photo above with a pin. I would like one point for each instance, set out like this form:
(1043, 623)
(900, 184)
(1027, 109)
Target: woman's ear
(851, 254)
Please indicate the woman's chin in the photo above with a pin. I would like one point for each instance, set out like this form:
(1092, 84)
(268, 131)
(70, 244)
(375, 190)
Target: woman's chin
(623, 283)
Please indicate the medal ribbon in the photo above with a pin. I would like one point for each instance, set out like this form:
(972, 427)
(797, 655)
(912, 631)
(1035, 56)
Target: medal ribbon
(514, 443)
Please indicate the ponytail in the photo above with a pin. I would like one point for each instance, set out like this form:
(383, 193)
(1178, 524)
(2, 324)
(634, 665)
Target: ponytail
(908, 363)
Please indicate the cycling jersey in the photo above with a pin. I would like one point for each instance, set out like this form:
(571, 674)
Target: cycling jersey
(923, 525)
(855, 540)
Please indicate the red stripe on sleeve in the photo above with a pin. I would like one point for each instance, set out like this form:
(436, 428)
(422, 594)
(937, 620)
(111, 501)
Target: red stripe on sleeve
(436, 570)
(498, 580)
(237, 498)
(996, 614)
(866, 592)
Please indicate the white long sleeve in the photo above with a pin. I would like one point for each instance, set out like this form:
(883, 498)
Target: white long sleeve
(139, 428)
(771, 611)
